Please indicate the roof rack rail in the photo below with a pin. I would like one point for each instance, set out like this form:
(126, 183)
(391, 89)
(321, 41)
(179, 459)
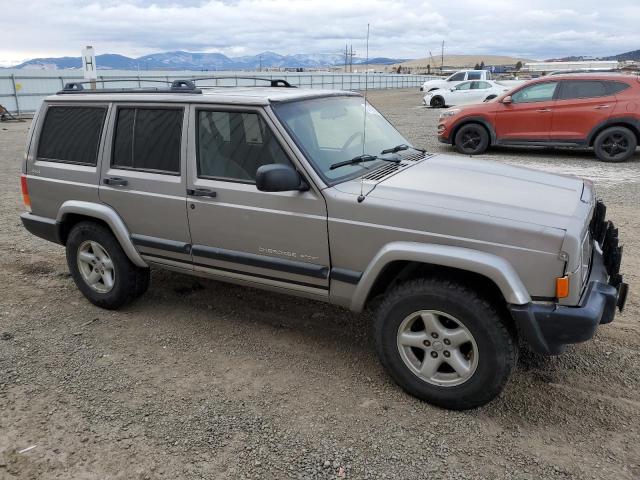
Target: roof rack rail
(176, 86)
(274, 82)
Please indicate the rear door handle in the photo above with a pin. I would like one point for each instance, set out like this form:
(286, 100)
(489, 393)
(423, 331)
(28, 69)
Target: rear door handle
(543, 110)
(115, 182)
(601, 107)
(201, 192)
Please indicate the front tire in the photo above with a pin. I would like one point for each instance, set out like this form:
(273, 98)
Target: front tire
(615, 144)
(443, 343)
(472, 139)
(437, 102)
(100, 268)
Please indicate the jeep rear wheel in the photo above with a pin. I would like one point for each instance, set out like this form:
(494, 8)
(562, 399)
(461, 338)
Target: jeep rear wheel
(443, 343)
(100, 268)
(471, 139)
(615, 144)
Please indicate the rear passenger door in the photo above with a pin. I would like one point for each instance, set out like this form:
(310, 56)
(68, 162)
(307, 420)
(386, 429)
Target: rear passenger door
(581, 105)
(274, 239)
(143, 178)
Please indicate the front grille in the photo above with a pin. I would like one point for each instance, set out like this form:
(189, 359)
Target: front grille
(606, 234)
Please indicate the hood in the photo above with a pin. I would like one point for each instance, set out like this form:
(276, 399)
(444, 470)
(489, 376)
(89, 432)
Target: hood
(483, 188)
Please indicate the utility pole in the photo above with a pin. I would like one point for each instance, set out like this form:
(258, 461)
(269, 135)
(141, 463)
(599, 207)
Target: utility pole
(346, 57)
(351, 54)
(260, 69)
(442, 58)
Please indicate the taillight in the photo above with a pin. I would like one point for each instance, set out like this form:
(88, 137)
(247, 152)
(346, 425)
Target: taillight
(25, 192)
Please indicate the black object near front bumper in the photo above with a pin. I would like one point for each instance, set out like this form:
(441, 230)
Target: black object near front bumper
(548, 328)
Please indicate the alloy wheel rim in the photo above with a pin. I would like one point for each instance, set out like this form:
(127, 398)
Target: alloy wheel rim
(615, 145)
(471, 140)
(438, 348)
(96, 266)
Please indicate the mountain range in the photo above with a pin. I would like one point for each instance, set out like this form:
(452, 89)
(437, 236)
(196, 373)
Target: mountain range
(180, 60)
(634, 56)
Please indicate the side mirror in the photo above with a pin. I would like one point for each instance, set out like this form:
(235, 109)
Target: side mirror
(453, 89)
(507, 100)
(278, 177)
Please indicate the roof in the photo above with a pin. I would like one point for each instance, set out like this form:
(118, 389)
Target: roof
(227, 95)
(589, 76)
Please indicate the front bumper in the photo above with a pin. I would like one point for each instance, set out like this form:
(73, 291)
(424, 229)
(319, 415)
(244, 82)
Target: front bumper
(548, 328)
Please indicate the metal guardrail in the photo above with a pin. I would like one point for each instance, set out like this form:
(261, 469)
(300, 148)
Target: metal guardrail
(21, 93)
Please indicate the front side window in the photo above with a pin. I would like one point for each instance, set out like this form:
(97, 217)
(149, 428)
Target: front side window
(71, 134)
(477, 75)
(331, 129)
(464, 86)
(148, 139)
(458, 77)
(233, 145)
(540, 92)
(573, 89)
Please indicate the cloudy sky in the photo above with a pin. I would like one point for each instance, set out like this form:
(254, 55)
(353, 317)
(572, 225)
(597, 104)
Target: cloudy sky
(402, 28)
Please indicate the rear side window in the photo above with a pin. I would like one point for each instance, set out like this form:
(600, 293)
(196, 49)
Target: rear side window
(573, 89)
(475, 75)
(616, 87)
(71, 134)
(148, 139)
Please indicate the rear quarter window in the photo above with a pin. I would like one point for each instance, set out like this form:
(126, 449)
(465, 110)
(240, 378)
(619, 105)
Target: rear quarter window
(616, 87)
(71, 134)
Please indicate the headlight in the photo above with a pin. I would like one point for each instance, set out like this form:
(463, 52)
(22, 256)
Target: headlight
(450, 112)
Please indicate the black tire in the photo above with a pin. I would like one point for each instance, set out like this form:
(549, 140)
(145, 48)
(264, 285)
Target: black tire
(497, 348)
(471, 139)
(615, 144)
(129, 281)
(437, 102)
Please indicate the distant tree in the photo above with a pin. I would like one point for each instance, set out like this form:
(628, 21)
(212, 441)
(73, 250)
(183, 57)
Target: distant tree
(482, 65)
(518, 65)
(477, 67)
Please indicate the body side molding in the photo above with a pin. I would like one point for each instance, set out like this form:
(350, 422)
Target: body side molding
(108, 215)
(491, 266)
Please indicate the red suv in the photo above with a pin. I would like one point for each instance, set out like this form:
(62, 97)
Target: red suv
(572, 110)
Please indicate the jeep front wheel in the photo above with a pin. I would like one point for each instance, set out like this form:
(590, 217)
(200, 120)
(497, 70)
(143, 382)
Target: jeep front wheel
(100, 268)
(443, 343)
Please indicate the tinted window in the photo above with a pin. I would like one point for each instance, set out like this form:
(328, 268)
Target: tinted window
(148, 139)
(475, 75)
(71, 134)
(233, 145)
(540, 92)
(572, 89)
(458, 77)
(616, 87)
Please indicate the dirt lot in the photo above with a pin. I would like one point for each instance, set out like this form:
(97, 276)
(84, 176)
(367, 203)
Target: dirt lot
(200, 379)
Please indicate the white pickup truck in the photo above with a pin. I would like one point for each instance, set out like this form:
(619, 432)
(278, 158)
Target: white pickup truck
(462, 76)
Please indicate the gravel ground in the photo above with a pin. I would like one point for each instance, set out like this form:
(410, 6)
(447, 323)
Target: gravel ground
(199, 379)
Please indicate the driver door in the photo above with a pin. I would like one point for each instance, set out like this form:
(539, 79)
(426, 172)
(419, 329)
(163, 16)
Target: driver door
(528, 117)
(273, 239)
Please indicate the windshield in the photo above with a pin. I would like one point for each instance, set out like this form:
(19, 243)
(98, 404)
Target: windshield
(330, 130)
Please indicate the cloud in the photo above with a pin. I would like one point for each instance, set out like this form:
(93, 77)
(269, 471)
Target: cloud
(400, 28)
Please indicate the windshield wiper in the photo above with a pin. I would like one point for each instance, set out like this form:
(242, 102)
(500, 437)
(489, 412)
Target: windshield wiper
(396, 149)
(361, 159)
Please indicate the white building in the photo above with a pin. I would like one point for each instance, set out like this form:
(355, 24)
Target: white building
(577, 65)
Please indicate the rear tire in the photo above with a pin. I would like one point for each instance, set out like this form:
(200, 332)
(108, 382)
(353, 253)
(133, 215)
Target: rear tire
(100, 268)
(472, 139)
(470, 353)
(437, 102)
(615, 144)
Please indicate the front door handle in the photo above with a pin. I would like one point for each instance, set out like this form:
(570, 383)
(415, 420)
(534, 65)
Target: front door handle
(201, 192)
(601, 107)
(115, 182)
(543, 110)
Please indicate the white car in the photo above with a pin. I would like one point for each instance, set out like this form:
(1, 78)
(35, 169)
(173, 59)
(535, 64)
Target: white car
(476, 91)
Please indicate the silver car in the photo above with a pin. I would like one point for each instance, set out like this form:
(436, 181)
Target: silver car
(314, 193)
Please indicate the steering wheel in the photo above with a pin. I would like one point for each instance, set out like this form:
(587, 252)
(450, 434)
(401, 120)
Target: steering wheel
(351, 139)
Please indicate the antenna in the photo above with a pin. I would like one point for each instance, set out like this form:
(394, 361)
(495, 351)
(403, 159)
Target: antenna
(364, 122)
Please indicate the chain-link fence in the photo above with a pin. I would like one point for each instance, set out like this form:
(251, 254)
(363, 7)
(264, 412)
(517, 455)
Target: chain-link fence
(22, 91)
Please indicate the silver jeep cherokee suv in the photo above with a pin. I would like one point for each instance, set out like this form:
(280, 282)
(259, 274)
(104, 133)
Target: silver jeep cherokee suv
(314, 193)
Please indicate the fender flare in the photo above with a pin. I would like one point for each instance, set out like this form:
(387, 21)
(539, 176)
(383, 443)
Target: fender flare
(496, 268)
(110, 217)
